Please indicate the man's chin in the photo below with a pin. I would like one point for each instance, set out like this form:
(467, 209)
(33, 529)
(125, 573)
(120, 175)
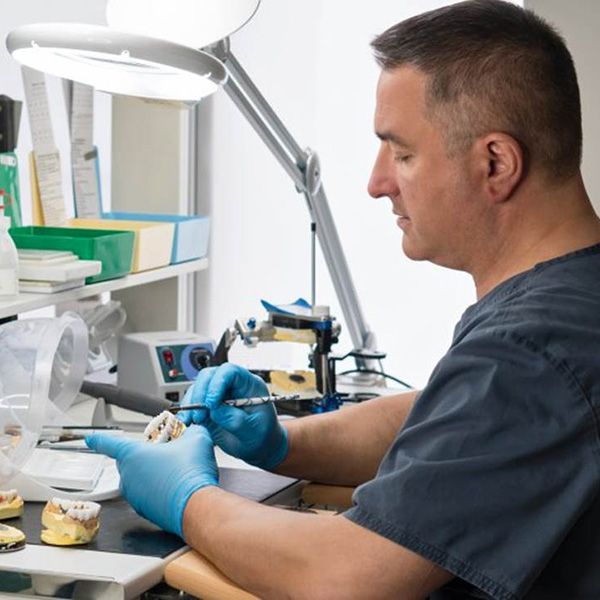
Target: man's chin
(412, 251)
(420, 253)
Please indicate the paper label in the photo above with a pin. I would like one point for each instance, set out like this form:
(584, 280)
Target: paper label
(8, 160)
(50, 184)
(38, 108)
(83, 153)
(47, 158)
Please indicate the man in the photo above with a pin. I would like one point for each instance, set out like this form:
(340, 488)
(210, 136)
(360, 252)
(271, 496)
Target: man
(486, 483)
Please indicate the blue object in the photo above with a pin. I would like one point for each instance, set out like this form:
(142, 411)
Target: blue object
(300, 308)
(252, 433)
(159, 479)
(327, 403)
(191, 232)
(189, 365)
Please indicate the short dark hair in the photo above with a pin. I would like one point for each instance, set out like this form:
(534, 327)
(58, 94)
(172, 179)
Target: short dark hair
(493, 66)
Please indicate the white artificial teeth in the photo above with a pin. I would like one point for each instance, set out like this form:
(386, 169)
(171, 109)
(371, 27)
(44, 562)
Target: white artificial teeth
(8, 495)
(163, 428)
(84, 512)
(153, 425)
(80, 510)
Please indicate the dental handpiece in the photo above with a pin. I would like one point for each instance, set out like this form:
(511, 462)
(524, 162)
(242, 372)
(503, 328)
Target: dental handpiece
(240, 402)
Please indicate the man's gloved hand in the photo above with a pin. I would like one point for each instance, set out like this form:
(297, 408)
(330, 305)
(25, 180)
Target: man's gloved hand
(251, 433)
(158, 479)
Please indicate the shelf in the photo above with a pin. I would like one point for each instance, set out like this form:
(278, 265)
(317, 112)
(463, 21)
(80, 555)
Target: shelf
(26, 302)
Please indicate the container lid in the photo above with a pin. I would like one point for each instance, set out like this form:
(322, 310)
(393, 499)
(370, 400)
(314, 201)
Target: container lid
(42, 365)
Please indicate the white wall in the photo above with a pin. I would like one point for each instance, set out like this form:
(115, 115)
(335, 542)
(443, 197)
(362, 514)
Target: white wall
(579, 23)
(314, 66)
(36, 11)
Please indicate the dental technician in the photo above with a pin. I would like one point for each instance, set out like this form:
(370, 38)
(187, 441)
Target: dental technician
(485, 484)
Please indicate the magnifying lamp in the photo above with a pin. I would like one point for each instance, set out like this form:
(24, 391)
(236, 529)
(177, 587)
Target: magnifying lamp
(117, 62)
(164, 63)
(194, 23)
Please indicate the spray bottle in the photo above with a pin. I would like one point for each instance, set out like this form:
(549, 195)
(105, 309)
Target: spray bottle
(9, 260)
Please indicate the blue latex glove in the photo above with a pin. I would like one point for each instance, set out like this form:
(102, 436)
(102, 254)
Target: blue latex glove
(251, 433)
(158, 479)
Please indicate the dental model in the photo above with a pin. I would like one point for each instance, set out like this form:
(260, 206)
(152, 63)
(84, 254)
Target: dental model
(11, 538)
(69, 522)
(165, 427)
(11, 504)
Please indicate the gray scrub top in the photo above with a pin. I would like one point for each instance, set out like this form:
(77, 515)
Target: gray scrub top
(495, 474)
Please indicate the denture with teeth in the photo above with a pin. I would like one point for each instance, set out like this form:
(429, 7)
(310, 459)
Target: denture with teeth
(11, 504)
(69, 522)
(165, 427)
(11, 538)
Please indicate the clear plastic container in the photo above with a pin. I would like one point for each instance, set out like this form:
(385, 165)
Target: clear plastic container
(42, 365)
(9, 261)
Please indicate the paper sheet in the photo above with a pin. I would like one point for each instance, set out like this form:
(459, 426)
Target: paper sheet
(84, 157)
(46, 155)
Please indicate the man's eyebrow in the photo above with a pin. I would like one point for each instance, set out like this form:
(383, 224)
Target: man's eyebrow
(388, 136)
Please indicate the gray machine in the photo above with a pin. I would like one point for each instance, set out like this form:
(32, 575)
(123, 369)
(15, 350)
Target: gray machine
(162, 363)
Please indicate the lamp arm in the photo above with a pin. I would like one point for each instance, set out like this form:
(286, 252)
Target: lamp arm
(303, 168)
(252, 104)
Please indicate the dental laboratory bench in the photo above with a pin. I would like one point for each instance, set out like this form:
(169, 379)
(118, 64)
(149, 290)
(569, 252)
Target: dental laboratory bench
(130, 557)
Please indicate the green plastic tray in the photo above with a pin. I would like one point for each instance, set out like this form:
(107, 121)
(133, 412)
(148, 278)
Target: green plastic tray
(113, 248)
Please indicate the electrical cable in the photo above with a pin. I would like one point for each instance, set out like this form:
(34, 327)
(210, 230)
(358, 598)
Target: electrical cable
(374, 372)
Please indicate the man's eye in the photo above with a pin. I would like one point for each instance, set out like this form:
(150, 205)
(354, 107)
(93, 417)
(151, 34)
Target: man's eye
(402, 158)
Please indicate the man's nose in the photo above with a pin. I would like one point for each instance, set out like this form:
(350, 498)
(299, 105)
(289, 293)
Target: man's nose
(382, 182)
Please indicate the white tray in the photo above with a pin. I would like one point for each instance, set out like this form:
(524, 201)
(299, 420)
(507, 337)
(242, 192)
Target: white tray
(66, 474)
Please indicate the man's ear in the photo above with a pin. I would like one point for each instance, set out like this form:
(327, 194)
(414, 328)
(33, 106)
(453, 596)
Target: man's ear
(504, 161)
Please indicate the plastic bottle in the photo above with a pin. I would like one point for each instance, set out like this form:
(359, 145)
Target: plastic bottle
(9, 262)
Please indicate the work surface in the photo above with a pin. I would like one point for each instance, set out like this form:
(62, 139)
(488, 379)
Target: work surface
(127, 557)
(123, 531)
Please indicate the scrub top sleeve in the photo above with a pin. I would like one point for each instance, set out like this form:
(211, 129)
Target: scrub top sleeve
(494, 465)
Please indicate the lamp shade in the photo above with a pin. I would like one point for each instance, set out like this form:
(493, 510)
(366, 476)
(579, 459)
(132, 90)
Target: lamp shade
(195, 23)
(117, 62)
